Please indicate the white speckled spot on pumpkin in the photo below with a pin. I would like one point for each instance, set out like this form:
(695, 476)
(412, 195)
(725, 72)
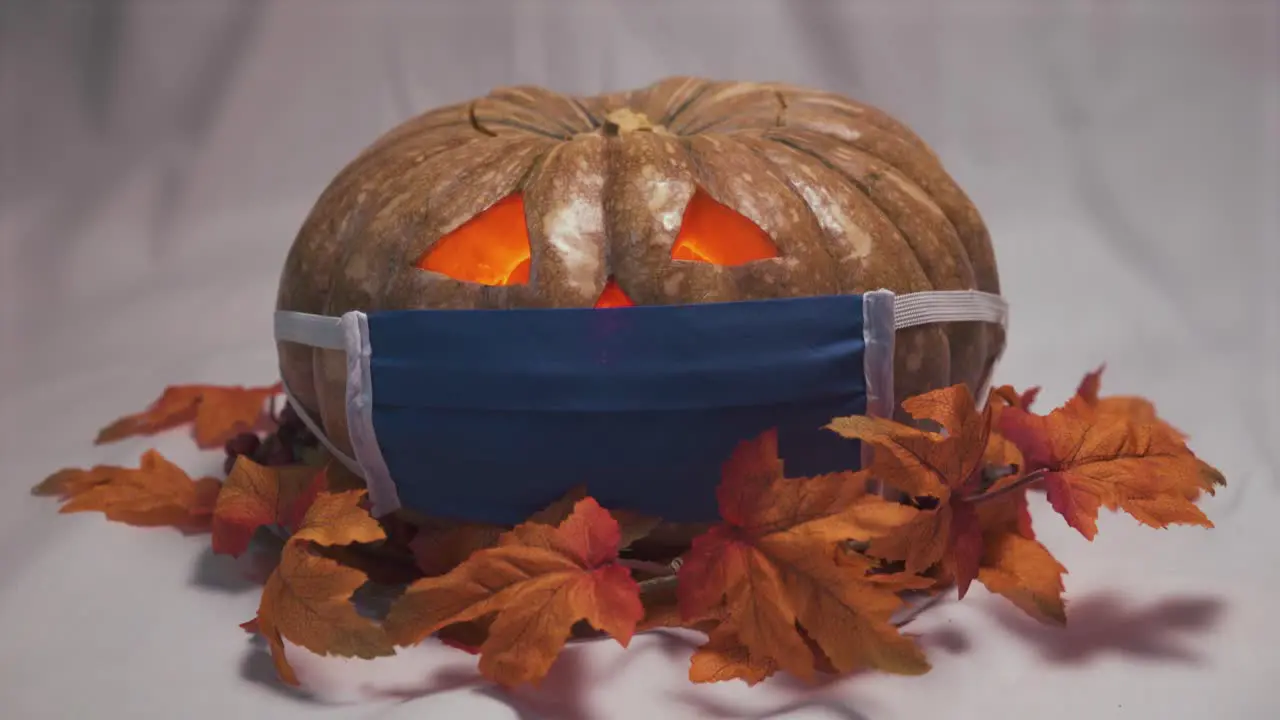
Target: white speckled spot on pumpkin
(569, 228)
(915, 192)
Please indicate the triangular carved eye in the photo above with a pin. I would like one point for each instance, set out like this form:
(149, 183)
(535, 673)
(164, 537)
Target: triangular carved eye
(491, 248)
(716, 234)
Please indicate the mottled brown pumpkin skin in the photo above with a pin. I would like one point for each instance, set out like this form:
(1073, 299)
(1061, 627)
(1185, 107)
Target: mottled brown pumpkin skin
(853, 200)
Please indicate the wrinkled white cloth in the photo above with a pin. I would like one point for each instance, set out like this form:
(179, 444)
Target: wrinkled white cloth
(156, 159)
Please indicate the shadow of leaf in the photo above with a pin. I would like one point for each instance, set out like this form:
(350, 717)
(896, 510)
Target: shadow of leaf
(258, 668)
(222, 573)
(705, 707)
(1106, 624)
(562, 694)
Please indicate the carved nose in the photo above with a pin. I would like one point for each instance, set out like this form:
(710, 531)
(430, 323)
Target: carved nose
(612, 296)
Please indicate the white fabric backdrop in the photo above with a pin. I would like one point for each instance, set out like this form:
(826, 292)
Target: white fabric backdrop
(157, 158)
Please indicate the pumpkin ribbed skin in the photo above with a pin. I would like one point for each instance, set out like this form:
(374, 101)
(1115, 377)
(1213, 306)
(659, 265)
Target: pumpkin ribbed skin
(852, 199)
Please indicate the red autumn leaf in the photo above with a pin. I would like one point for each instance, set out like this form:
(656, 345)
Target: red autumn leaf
(948, 467)
(255, 496)
(157, 493)
(219, 413)
(1008, 396)
(535, 585)
(775, 571)
(1094, 456)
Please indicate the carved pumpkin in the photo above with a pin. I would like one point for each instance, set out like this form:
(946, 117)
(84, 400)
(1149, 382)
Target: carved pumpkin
(686, 191)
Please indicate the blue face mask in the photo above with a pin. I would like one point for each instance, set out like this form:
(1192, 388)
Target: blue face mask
(490, 415)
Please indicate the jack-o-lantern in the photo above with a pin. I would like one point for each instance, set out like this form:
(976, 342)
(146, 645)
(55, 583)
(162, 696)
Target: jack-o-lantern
(687, 191)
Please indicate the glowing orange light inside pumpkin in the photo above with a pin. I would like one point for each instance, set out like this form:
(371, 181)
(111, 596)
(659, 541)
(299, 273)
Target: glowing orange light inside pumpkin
(714, 233)
(613, 296)
(491, 248)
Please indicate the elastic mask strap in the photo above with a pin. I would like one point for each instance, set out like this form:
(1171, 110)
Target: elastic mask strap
(942, 306)
(318, 431)
(350, 334)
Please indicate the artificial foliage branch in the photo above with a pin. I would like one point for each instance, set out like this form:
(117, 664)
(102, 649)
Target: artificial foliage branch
(803, 575)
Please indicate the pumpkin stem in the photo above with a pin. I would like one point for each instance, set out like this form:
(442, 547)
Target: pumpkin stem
(626, 120)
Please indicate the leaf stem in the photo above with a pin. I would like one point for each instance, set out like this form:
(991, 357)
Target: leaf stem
(1022, 482)
(655, 584)
(651, 568)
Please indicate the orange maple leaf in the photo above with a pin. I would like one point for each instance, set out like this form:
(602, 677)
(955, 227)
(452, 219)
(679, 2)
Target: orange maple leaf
(1098, 455)
(1014, 564)
(725, 657)
(775, 569)
(1087, 402)
(947, 467)
(1026, 573)
(307, 598)
(255, 496)
(440, 548)
(536, 584)
(219, 413)
(68, 482)
(157, 493)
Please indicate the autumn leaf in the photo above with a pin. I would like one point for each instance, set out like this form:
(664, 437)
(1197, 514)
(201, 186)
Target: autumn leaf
(1092, 457)
(436, 551)
(1025, 572)
(775, 564)
(1088, 403)
(1008, 396)
(157, 493)
(1014, 564)
(537, 583)
(725, 657)
(218, 412)
(1001, 453)
(69, 482)
(440, 548)
(255, 496)
(948, 467)
(307, 600)
(339, 519)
